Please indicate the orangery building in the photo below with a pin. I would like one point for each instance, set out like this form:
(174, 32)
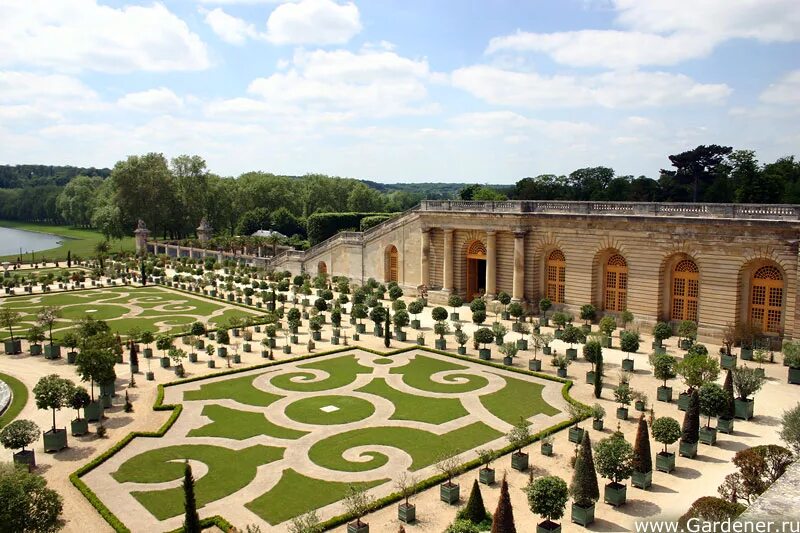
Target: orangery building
(716, 264)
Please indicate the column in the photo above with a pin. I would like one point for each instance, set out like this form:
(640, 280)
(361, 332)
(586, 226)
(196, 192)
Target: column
(425, 250)
(448, 259)
(491, 264)
(518, 290)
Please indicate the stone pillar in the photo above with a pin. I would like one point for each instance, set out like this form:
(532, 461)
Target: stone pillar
(204, 231)
(518, 290)
(491, 264)
(141, 234)
(448, 260)
(425, 250)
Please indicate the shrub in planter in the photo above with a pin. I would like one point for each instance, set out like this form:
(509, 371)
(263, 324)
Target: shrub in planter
(598, 412)
(546, 339)
(572, 335)
(629, 343)
(406, 486)
(486, 472)
(697, 367)
(561, 362)
(728, 414)
(713, 402)
(546, 445)
(747, 382)
(667, 431)
(518, 437)
(663, 369)
(577, 412)
(661, 332)
(462, 339)
(53, 392)
(484, 336)
(623, 396)
(357, 503)
(415, 308)
(509, 351)
(455, 301)
(448, 491)
(544, 306)
(584, 489)
(18, 435)
(642, 476)
(8, 319)
(441, 329)
(547, 497)
(35, 336)
(614, 460)
(79, 399)
(690, 431)
(791, 358)
(687, 333)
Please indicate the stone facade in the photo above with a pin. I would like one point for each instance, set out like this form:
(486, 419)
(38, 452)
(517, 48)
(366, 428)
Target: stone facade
(715, 263)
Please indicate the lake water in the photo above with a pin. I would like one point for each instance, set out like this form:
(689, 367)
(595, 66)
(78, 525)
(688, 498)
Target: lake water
(11, 240)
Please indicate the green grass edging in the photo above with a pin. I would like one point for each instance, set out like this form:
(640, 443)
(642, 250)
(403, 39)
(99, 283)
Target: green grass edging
(19, 397)
(336, 521)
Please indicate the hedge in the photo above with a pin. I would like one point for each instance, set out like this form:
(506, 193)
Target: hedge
(373, 220)
(336, 521)
(321, 226)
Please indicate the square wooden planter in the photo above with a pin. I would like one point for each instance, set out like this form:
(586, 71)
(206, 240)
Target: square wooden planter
(357, 527)
(519, 461)
(25, 457)
(622, 413)
(744, 408)
(665, 462)
(13, 347)
(52, 351)
(664, 394)
(55, 441)
(642, 480)
(535, 365)
(94, 411)
(485, 354)
(36, 349)
(449, 493)
(486, 476)
(627, 365)
(561, 372)
(727, 361)
(688, 449)
(683, 401)
(597, 424)
(406, 512)
(575, 434)
(441, 344)
(522, 344)
(590, 377)
(725, 425)
(708, 436)
(548, 526)
(794, 376)
(615, 494)
(582, 515)
(462, 350)
(546, 449)
(572, 354)
(79, 426)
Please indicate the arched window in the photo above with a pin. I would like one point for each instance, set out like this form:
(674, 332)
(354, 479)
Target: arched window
(616, 283)
(391, 264)
(556, 276)
(766, 299)
(476, 250)
(685, 290)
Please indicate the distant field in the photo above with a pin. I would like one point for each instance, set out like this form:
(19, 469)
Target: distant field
(80, 241)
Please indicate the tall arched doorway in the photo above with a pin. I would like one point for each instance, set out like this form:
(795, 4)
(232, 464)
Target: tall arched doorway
(615, 282)
(766, 299)
(556, 273)
(685, 291)
(322, 268)
(476, 269)
(390, 264)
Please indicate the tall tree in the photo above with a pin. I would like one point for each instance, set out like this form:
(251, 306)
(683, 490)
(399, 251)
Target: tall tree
(697, 169)
(143, 188)
(191, 520)
(78, 200)
(642, 458)
(503, 519)
(584, 488)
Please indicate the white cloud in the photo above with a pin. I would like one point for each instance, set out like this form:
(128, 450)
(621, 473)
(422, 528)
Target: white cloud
(610, 89)
(26, 87)
(313, 22)
(82, 35)
(662, 32)
(514, 127)
(785, 92)
(160, 100)
(366, 83)
(230, 29)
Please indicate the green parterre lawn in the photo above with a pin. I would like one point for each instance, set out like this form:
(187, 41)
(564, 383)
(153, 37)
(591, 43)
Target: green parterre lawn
(18, 399)
(152, 308)
(328, 400)
(80, 242)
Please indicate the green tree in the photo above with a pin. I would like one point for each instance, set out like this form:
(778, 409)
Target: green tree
(28, 506)
(690, 431)
(8, 319)
(95, 365)
(666, 430)
(191, 520)
(614, 458)
(503, 518)
(756, 469)
(584, 488)
(78, 200)
(19, 434)
(53, 392)
(364, 199)
(790, 428)
(695, 171)
(642, 460)
(475, 511)
(547, 497)
(713, 401)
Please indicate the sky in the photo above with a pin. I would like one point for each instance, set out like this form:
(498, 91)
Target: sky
(486, 91)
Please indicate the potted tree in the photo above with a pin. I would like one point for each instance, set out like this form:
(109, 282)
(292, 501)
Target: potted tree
(441, 328)
(535, 364)
(71, 341)
(577, 412)
(560, 320)
(78, 400)
(461, 339)
(518, 437)
(53, 392)
(486, 472)
(728, 414)
(8, 319)
(667, 431)
(544, 306)
(164, 343)
(400, 320)
(626, 317)
(547, 497)
(522, 329)
(584, 489)
(690, 431)
(696, 368)
(478, 308)
(546, 339)
(484, 336)
(95, 365)
(315, 325)
(35, 336)
(18, 435)
(614, 461)
(448, 491)
(661, 332)
(505, 299)
(629, 343)
(642, 476)
(746, 382)
(499, 331)
(211, 363)
(639, 400)
(572, 335)
(359, 313)
(46, 317)
(607, 326)
(516, 310)
(591, 351)
(223, 338)
(546, 445)
(406, 486)
(455, 301)
(357, 503)
(147, 339)
(509, 351)
(687, 333)
(177, 355)
(415, 308)
(588, 315)
(598, 413)
(791, 358)
(713, 402)
(561, 362)
(663, 369)
(623, 396)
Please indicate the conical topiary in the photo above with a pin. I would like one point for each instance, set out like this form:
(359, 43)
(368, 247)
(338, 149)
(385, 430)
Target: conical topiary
(598, 375)
(690, 433)
(191, 521)
(475, 511)
(584, 489)
(730, 408)
(503, 519)
(642, 459)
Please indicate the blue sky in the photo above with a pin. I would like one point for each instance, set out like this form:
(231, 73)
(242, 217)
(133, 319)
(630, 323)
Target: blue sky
(489, 91)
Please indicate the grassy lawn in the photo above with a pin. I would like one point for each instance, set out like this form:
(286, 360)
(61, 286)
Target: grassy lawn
(239, 389)
(166, 464)
(517, 399)
(341, 371)
(80, 242)
(418, 374)
(295, 494)
(418, 408)
(424, 447)
(18, 400)
(161, 310)
(309, 410)
(234, 424)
